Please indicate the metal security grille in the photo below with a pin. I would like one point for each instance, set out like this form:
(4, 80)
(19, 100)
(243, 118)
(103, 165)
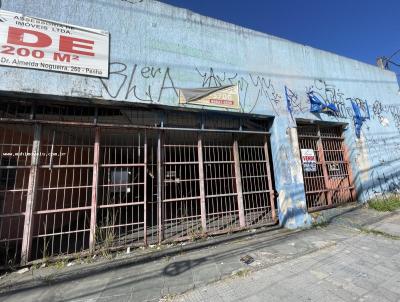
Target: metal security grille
(121, 189)
(258, 193)
(68, 187)
(221, 191)
(61, 211)
(181, 186)
(15, 166)
(331, 183)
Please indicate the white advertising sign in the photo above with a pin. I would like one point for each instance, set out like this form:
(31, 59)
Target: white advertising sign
(309, 160)
(226, 97)
(28, 42)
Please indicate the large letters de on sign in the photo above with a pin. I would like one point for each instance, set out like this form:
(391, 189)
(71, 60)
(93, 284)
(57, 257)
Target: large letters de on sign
(42, 44)
(309, 161)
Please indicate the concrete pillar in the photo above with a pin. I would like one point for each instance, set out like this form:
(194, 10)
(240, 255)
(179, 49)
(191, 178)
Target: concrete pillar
(292, 207)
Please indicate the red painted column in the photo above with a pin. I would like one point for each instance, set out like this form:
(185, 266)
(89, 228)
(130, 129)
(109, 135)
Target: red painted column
(95, 179)
(238, 179)
(145, 190)
(160, 184)
(201, 184)
(31, 197)
(270, 188)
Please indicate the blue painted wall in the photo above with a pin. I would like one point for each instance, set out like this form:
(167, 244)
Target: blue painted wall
(156, 49)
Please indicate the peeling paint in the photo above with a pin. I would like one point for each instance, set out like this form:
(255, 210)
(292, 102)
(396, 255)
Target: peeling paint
(362, 159)
(149, 62)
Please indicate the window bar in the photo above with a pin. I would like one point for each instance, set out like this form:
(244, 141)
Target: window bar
(324, 168)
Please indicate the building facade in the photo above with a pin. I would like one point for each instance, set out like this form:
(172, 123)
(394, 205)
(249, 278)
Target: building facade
(200, 127)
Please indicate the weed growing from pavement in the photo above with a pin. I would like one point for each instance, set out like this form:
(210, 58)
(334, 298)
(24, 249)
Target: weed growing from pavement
(379, 233)
(168, 297)
(320, 224)
(105, 235)
(60, 264)
(241, 273)
(388, 204)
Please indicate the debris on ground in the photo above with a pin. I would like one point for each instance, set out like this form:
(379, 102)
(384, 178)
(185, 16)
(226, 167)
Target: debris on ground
(247, 259)
(23, 270)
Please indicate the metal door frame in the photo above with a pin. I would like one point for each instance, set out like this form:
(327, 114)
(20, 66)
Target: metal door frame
(332, 184)
(249, 164)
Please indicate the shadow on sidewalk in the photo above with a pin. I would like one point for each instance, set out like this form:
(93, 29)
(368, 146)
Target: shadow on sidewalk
(225, 247)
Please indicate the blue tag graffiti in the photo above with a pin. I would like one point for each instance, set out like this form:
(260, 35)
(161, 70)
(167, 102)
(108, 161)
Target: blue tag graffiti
(289, 94)
(358, 118)
(317, 106)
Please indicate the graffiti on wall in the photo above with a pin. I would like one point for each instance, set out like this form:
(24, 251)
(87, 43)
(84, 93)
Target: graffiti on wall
(330, 95)
(254, 89)
(152, 84)
(143, 83)
(377, 155)
(383, 148)
(383, 183)
(376, 158)
(383, 112)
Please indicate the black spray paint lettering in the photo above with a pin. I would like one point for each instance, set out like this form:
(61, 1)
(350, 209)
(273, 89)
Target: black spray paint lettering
(266, 92)
(294, 104)
(116, 72)
(380, 110)
(211, 79)
(154, 81)
(381, 183)
(253, 86)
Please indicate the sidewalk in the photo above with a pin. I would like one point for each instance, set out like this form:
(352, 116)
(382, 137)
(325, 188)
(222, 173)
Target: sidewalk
(365, 266)
(345, 246)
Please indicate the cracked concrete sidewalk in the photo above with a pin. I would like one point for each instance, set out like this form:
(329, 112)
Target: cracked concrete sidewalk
(364, 266)
(194, 268)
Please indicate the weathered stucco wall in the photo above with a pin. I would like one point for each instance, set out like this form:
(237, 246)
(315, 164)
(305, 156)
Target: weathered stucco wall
(156, 49)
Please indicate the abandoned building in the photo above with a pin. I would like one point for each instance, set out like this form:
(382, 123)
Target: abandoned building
(180, 126)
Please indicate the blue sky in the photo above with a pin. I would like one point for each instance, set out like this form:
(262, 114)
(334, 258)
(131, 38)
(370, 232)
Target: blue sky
(358, 29)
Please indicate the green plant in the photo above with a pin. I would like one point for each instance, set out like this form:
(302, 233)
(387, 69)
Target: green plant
(34, 267)
(379, 233)
(192, 235)
(320, 224)
(241, 273)
(59, 264)
(88, 259)
(105, 235)
(168, 297)
(387, 204)
(45, 249)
